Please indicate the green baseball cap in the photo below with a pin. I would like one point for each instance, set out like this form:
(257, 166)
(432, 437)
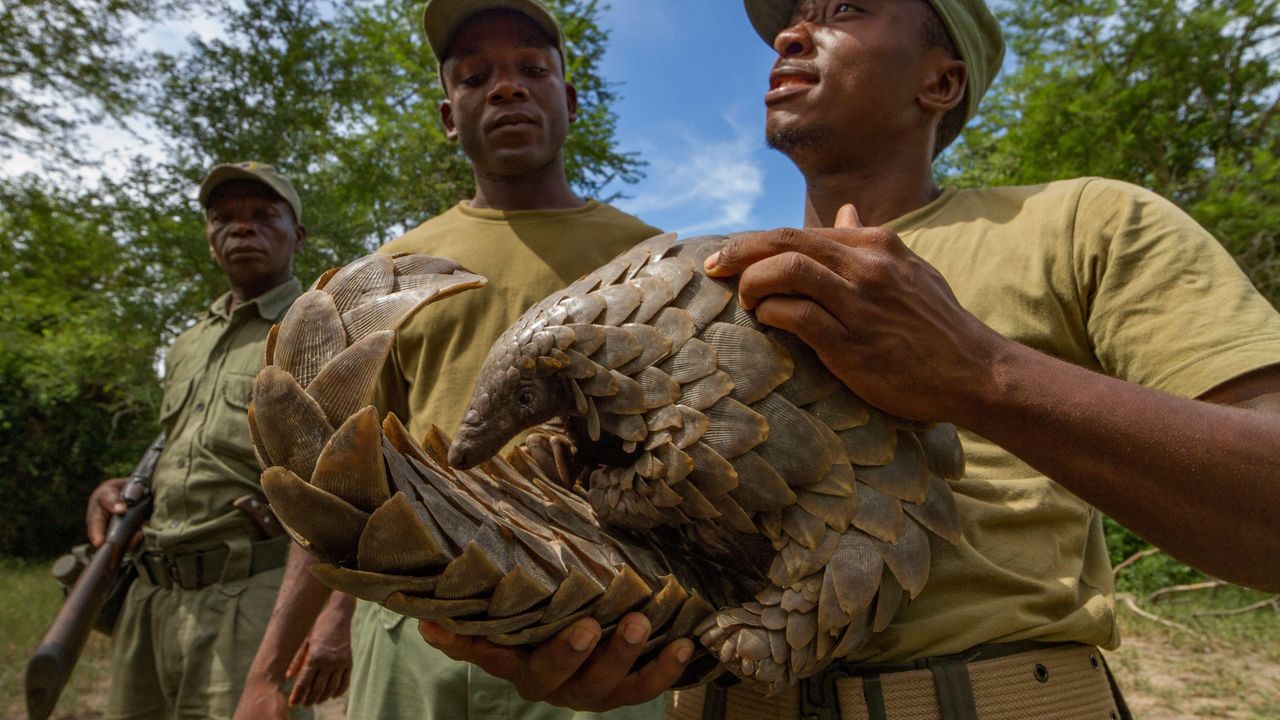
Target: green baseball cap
(442, 18)
(256, 171)
(970, 23)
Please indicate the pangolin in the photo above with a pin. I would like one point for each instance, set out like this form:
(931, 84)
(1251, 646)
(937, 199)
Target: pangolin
(730, 487)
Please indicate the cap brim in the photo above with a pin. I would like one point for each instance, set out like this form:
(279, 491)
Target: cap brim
(442, 18)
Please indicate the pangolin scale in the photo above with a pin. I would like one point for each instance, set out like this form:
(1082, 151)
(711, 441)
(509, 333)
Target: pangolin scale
(731, 488)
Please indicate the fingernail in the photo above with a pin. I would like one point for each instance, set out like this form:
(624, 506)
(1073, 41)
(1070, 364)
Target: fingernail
(712, 260)
(684, 652)
(634, 633)
(118, 507)
(580, 639)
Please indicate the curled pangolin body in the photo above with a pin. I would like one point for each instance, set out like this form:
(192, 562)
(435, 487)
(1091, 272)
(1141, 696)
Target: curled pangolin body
(748, 498)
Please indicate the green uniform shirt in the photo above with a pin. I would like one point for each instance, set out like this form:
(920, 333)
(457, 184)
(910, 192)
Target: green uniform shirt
(208, 460)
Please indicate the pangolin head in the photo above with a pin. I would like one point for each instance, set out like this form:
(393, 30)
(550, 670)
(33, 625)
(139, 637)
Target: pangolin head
(520, 386)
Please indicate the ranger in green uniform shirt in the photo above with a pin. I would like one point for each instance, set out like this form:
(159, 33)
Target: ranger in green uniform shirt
(208, 571)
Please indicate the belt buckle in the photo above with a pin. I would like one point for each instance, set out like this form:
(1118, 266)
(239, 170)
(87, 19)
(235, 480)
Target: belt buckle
(171, 571)
(818, 698)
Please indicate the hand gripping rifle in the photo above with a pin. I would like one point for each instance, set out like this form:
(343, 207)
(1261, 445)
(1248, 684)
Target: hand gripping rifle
(51, 665)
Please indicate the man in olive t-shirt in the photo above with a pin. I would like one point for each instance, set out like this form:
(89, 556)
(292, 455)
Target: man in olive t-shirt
(509, 106)
(1101, 351)
(208, 572)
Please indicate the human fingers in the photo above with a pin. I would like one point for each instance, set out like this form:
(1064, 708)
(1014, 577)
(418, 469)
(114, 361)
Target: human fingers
(302, 686)
(792, 273)
(847, 217)
(103, 503)
(601, 675)
(503, 662)
(656, 677)
(299, 659)
(343, 682)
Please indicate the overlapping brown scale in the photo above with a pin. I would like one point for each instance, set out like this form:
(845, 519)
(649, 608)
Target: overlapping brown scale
(328, 524)
(755, 364)
(653, 347)
(908, 558)
(760, 487)
(398, 541)
(350, 465)
(735, 428)
(310, 335)
(704, 299)
(695, 359)
(366, 278)
(619, 347)
(295, 428)
(872, 443)
(660, 390)
(348, 381)
(411, 264)
(706, 391)
(938, 513)
(797, 447)
(620, 301)
(371, 586)
(879, 515)
(906, 476)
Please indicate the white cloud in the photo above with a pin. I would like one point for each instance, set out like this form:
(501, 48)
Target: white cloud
(699, 184)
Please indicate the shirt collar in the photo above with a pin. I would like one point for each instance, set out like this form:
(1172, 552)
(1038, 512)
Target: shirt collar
(270, 305)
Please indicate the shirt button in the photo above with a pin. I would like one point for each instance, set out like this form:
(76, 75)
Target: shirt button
(182, 463)
(173, 523)
(199, 407)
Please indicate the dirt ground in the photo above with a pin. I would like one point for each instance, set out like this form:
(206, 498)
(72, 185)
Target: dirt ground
(1166, 678)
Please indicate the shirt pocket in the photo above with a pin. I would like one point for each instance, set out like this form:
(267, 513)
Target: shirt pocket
(228, 423)
(176, 395)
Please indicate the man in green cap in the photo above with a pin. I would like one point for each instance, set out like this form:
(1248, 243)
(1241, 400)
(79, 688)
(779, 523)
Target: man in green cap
(1101, 351)
(509, 105)
(212, 555)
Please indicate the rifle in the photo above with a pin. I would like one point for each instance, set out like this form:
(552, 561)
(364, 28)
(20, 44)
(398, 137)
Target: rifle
(51, 665)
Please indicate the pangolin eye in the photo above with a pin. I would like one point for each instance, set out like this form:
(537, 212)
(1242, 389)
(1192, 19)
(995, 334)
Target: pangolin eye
(525, 397)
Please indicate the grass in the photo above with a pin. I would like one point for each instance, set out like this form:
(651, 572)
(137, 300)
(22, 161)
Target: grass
(29, 600)
(1229, 668)
(1219, 667)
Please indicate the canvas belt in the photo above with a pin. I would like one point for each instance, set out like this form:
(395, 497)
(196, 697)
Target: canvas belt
(1011, 681)
(235, 560)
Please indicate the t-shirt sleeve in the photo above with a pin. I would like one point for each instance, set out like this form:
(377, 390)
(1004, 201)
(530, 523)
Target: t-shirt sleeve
(1168, 307)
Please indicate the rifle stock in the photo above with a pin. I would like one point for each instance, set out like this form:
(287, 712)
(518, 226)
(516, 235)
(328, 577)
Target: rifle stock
(51, 665)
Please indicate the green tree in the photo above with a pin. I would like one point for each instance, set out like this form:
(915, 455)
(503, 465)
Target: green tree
(1178, 97)
(77, 346)
(343, 97)
(64, 63)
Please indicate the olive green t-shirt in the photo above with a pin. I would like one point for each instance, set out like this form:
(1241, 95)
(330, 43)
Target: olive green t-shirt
(526, 255)
(208, 460)
(1104, 275)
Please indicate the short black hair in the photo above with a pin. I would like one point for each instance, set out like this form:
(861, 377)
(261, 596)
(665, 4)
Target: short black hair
(936, 37)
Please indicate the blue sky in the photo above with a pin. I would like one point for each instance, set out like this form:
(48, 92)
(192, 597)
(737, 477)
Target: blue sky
(692, 76)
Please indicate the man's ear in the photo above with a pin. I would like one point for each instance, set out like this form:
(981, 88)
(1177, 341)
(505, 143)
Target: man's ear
(446, 119)
(571, 96)
(944, 86)
(300, 236)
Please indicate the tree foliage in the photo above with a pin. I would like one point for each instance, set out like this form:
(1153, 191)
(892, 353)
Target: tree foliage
(1178, 97)
(97, 280)
(64, 63)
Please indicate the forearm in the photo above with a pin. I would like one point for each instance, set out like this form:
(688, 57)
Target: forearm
(1197, 479)
(299, 602)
